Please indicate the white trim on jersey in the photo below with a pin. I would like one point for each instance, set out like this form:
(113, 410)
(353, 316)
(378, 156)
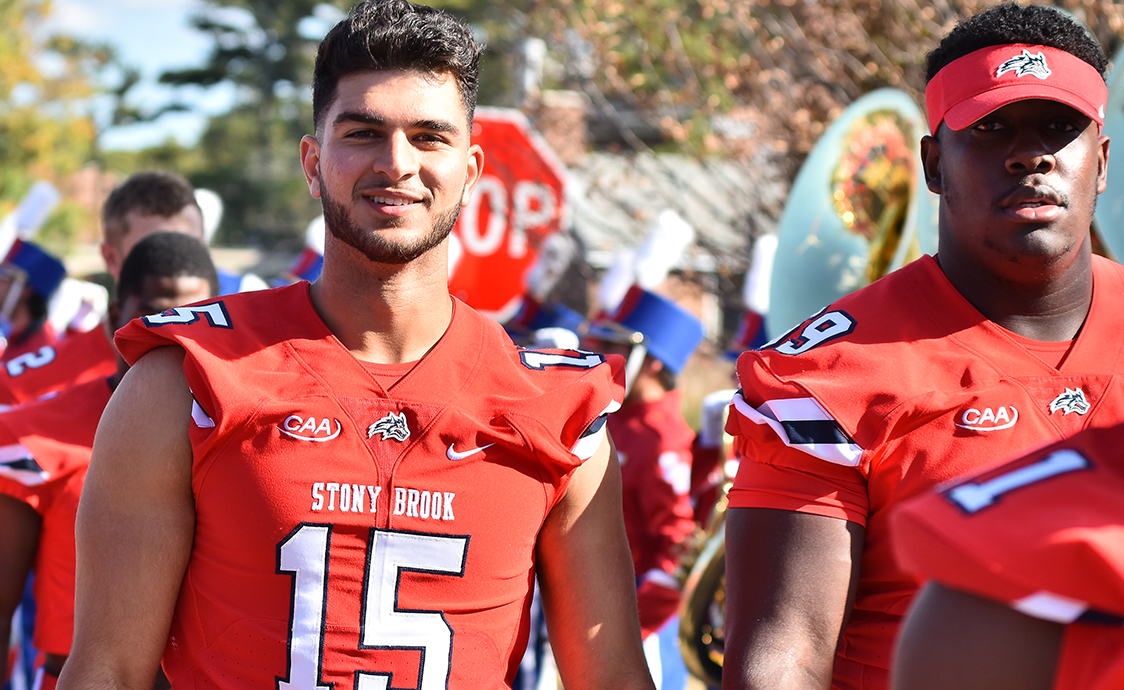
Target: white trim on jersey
(662, 578)
(17, 462)
(201, 418)
(594, 434)
(803, 424)
(1051, 607)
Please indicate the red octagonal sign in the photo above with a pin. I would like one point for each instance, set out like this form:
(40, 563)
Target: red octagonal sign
(519, 201)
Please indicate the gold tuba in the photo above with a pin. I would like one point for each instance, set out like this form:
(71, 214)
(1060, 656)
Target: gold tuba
(858, 209)
(702, 608)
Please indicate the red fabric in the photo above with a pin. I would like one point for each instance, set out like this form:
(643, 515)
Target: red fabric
(985, 80)
(268, 360)
(79, 358)
(707, 478)
(41, 337)
(1053, 530)
(46, 681)
(924, 389)
(658, 603)
(58, 435)
(653, 443)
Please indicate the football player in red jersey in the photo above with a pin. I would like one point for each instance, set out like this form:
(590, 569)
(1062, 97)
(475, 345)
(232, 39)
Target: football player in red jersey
(144, 204)
(354, 483)
(1003, 341)
(1027, 563)
(45, 448)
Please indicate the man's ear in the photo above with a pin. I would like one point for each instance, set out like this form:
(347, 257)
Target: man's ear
(114, 314)
(1102, 163)
(112, 259)
(310, 163)
(472, 175)
(931, 162)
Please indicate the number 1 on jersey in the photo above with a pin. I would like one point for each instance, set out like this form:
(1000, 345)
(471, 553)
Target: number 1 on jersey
(382, 624)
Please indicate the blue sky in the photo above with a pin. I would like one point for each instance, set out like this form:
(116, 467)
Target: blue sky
(155, 36)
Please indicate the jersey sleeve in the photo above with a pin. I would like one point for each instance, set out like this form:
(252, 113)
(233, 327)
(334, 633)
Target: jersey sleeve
(1044, 534)
(139, 336)
(574, 392)
(794, 456)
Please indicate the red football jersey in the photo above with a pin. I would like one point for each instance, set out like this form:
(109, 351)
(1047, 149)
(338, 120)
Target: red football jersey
(43, 336)
(653, 443)
(44, 452)
(896, 388)
(1044, 534)
(353, 535)
(79, 358)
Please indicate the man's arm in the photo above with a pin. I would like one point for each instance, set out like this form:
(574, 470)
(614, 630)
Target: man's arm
(588, 587)
(952, 639)
(19, 540)
(790, 582)
(134, 531)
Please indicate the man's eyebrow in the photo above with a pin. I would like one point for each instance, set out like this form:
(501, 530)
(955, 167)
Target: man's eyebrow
(377, 121)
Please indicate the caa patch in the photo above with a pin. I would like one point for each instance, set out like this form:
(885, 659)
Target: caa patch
(310, 429)
(988, 419)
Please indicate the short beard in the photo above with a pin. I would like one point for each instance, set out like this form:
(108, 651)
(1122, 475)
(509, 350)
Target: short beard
(373, 244)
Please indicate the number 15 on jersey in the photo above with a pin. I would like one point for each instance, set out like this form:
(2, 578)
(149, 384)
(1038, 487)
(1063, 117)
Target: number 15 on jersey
(304, 555)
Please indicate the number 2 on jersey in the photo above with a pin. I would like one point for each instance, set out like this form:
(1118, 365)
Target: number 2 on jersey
(382, 625)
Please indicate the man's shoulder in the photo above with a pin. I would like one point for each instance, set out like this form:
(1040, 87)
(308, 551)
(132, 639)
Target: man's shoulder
(227, 326)
(883, 336)
(514, 371)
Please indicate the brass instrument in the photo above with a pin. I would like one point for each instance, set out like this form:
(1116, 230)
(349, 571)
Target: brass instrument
(702, 609)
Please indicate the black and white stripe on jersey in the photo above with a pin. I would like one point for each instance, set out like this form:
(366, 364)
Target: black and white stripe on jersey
(1058, 609)
(803, 424)
(16, 462)
(591, 438)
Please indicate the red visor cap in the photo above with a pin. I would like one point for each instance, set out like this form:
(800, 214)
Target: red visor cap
(983, 81)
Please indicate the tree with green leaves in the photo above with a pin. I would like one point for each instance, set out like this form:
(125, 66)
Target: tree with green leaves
(727, 76)
(46, 131)
(249, 156)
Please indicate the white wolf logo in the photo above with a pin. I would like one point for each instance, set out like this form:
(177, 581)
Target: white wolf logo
(391, 426)
(1025, 64)
(1072, 400)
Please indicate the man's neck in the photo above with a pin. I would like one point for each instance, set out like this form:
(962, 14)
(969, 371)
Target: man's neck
(387, 314)
(1052, 308)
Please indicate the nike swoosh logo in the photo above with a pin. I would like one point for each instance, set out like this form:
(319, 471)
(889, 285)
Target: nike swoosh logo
(454, 455)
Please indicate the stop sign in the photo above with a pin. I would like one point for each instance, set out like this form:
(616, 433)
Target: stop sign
(518, 202)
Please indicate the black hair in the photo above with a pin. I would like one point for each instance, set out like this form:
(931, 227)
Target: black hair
(395, 35)
(667, 378)
(165, 255)
(152, 193)
(1010, 23)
